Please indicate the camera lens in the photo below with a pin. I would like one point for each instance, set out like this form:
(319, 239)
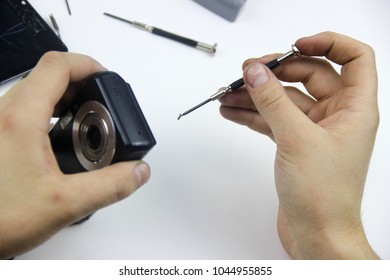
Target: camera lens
(94, 136)
(94, 139)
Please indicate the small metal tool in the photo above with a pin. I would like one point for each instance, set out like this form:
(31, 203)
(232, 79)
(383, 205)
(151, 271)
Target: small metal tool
(240, 82)
(68, 7)
(55, 25)
(157, 31)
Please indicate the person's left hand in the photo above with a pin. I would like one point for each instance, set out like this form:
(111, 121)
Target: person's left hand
(36, 198)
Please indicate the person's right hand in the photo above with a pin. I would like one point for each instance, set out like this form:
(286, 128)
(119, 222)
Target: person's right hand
(324, 141)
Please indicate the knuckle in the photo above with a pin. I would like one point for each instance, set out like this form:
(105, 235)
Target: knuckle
(122, 186)
(271, 99)
(53, 58)
(365, 50)
(369, 50)
(10, 119)
(374, 124)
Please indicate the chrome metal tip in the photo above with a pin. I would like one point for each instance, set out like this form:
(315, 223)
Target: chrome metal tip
(207, 48)
(295, 50)
(221, 92)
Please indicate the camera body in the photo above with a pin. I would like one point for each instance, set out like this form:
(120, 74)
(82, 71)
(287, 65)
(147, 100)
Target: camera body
(104, 124)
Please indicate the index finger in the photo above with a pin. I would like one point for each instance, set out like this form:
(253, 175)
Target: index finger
(357, 58)
(50, 78)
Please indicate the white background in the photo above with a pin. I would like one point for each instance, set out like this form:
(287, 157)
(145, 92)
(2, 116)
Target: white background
(211, 194)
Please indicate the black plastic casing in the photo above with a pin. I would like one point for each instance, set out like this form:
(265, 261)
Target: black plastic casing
(134, 139)
(25, 37)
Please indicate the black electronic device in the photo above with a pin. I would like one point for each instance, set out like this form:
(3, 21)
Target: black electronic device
(24, 38)
(102, 125)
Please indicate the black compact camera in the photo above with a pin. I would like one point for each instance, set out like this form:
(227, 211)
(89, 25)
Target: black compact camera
(103, 124)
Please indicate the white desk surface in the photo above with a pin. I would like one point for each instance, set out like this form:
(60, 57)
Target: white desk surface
(211, 194)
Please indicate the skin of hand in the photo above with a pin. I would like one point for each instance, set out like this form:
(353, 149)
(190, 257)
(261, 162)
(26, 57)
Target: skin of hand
(324, 140)
(36, 198)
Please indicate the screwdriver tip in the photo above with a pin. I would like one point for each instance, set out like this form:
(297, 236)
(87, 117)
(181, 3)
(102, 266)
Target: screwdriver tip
(178, 118)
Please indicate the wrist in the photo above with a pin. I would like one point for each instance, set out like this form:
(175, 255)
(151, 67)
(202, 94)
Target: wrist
(329, 243)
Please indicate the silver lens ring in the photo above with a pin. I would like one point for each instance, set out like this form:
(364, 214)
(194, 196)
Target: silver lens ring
(93, 136)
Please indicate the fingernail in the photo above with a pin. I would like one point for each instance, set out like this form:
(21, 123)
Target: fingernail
(142, 173)
(256, 75)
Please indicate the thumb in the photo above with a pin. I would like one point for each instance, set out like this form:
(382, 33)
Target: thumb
(96, 189)
(271, 100)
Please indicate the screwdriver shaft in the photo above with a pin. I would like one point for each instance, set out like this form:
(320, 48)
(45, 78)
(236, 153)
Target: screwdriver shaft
(194, 108)
(240, 82)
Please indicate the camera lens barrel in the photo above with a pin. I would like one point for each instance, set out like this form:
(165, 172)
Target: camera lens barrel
(93, 135)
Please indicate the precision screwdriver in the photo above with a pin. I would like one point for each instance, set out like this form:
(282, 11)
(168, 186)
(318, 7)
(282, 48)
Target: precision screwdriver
(160, 32)
(240, 82)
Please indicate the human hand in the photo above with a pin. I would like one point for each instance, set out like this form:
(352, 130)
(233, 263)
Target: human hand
(324, 141)
(36, 198)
